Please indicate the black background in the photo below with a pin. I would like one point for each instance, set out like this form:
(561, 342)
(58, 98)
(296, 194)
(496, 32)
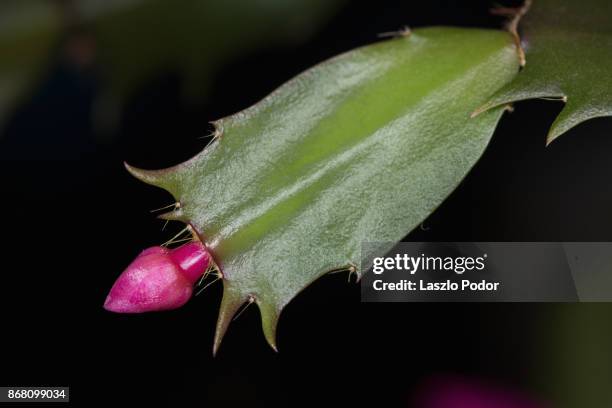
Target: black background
(72, 219)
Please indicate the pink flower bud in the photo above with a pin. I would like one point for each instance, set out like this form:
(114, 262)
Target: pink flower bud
(158, 279)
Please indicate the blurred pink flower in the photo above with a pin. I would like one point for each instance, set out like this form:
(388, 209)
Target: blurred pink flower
(458, 392)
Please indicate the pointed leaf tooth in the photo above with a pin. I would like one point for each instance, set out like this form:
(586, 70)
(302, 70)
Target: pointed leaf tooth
(231, 302)
(269, 321)
(153, 177)
(574, 113)
(168, 179)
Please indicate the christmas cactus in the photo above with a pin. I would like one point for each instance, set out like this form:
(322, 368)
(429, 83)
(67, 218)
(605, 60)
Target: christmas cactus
(360, 148)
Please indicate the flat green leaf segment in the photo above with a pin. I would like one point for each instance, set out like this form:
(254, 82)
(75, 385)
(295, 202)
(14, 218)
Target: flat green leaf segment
(360, 148)
(568, 46)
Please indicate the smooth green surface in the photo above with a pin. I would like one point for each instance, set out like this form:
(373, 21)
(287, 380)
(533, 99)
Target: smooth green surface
(360, 148)
(568, 47)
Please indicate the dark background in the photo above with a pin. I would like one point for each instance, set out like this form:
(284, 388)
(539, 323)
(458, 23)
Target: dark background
(72, 219)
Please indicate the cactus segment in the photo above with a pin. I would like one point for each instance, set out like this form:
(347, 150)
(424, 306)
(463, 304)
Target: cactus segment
(362, 147)
(568, 47)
